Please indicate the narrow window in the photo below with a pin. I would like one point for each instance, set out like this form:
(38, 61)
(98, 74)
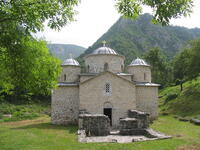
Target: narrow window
(88, 68)
(107, 88)
(65, 77)
(144, 76)
(132, 78)
(122, 67)
(106, 67)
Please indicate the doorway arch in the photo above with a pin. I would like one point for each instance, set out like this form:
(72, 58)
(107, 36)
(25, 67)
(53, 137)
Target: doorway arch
(108, 111)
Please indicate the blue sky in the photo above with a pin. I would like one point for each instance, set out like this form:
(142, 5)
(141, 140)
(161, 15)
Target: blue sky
(95, 17)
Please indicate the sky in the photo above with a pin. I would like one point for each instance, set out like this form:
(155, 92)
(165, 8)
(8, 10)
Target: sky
(95, 17)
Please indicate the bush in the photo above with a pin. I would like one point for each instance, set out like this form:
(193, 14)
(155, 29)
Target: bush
(170, 97)
(23, 111)
(17, 116)
(1, 116)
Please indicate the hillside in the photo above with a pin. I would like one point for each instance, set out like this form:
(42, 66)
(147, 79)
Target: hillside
(184, 103)
(62, 51)
(132, 38)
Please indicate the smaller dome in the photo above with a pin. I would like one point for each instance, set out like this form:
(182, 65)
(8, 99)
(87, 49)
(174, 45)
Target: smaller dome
(104, 50)
(139, 62)
(70, 62)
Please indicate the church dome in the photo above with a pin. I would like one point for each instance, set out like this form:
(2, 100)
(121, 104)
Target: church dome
(105, 50)
(139, 62)
(70, 62)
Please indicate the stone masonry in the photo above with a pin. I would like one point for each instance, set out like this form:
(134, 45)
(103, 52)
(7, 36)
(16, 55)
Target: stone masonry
(104, 88)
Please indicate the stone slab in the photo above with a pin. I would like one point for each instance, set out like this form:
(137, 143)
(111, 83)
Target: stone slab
(119, 138)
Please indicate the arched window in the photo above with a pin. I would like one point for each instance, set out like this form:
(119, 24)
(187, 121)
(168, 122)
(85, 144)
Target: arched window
(144, 76)
(65, 77)
(122, 68)
(106, 67)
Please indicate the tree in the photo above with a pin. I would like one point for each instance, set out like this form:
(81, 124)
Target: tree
(164, 10)
(160, 70)
(31, 69)
(31, 14)
(194, 63)
(180, 67)
(186, 63)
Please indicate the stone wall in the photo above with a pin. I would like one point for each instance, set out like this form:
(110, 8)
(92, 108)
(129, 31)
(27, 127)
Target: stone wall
(127, 77)
(64, 105)
(96, 63)
(147, 100)
(71, 72)
(121, 98)
(141, 73)
(135, 124)
(94, 124)
(86, 77)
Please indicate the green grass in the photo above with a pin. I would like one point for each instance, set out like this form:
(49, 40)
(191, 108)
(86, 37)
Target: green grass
(184, 103)
(39, 134)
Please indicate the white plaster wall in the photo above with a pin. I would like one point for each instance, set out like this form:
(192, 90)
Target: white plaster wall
(65, 105)
(139, 71)
(147, 100)
(96, 63)
(92, 96)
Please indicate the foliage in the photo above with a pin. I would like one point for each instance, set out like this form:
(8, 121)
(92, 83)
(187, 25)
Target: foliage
(30, 68)
(41, 134)
(27, 67)
(171, 96)
(31, 14)
(132, 38)
(164, 10)
(184, 103)
(186, 63)
(23, 111)
(180, 60)
(1, 115)
(193, 68)
(160, 70)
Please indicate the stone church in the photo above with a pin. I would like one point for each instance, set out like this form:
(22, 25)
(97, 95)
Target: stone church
(104, 88)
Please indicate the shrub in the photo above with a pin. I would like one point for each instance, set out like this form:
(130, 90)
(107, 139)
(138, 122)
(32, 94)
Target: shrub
(170, 97)
(20, 115)
(1, 115)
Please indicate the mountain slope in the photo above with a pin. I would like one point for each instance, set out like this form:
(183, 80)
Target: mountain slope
(182, 103)
(62, 51)
(132, 38)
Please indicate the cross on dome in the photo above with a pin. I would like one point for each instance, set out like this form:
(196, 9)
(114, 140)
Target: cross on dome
(104, 43)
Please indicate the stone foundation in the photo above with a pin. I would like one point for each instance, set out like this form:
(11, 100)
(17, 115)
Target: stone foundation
(136, 123)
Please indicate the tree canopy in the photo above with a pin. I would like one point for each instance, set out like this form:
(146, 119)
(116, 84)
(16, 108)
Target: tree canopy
(163, 10)
(158, 62)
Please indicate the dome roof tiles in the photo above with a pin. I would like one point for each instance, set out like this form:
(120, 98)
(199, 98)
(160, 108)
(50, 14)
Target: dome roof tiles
(139, 62)
(105, 50)
(70, 62)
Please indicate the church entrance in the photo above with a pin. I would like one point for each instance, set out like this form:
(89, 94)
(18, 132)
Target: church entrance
(108, 112)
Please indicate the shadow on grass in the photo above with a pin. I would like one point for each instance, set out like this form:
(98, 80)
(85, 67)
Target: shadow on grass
(71, 128)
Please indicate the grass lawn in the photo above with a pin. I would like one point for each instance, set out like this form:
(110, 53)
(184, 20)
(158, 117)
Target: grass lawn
(39, 134)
